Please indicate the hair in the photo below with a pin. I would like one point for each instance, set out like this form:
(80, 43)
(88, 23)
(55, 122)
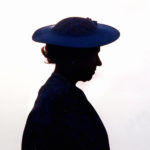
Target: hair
(59, 54)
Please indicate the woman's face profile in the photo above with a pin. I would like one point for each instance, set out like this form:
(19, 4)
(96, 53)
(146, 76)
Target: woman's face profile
(76, 64)
(86, 66)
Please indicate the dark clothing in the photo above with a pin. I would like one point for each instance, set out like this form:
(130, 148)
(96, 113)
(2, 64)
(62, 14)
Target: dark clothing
(63, 118)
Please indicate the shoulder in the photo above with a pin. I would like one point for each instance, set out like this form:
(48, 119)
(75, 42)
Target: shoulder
(54, 86)
(51, 94)
(50, 97)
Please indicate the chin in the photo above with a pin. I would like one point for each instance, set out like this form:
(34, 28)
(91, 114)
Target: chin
(87, 77)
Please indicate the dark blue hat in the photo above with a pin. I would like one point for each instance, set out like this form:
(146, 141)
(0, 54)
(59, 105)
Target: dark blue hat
(76, 32)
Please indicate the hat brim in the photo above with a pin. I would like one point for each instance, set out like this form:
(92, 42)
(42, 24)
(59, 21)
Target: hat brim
(103, 35)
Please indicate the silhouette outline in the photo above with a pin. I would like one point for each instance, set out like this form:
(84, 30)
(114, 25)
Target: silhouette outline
(62, 117)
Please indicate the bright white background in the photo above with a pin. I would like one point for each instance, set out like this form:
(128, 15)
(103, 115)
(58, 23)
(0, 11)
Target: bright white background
(120, 89)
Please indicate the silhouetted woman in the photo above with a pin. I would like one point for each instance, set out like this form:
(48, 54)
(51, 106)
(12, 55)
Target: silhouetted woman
(62, 117)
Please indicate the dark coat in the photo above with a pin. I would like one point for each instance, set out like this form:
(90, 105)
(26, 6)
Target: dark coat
(63, 118)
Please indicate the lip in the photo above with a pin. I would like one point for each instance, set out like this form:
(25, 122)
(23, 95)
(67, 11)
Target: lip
(93, 71)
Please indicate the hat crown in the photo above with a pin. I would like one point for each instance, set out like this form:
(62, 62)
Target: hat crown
(75, 26)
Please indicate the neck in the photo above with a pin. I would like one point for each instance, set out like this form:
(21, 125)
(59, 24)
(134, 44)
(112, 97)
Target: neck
(67, 73)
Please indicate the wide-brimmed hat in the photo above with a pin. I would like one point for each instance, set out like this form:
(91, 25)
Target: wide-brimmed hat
(76, 32)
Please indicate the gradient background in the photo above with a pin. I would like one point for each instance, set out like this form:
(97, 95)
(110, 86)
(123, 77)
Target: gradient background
(120, 89)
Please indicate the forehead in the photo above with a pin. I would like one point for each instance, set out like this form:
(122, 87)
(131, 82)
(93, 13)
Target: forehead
(93, 50)
(88, 52)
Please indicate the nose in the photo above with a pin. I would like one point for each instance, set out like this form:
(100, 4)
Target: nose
(99, 63)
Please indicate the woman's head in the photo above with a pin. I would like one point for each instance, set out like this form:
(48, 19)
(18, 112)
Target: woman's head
(79, 41)
(82, 62)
